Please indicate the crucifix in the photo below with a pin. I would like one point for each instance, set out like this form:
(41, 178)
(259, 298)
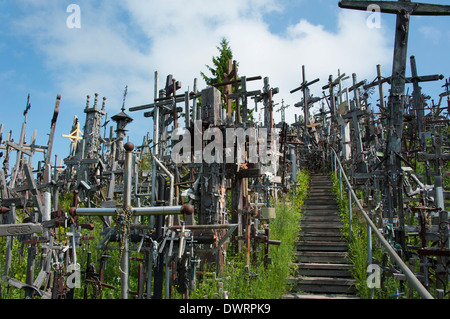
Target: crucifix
(267, 96)
(403, 9)
(417, 98)
(330, 86)
(304, 87)
(227, 77)
(282, 109)
(238, 94)
(20, 146)
(354, 115)
(172, 86)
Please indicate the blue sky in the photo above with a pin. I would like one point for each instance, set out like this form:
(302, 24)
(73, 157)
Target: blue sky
(124, 42)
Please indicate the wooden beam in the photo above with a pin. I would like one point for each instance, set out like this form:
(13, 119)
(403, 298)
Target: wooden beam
(394, 7)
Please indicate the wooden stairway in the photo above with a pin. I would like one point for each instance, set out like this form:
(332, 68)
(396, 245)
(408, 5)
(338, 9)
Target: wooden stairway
(323, 270)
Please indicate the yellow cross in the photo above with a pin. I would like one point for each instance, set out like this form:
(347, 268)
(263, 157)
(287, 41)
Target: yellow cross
(76, 135)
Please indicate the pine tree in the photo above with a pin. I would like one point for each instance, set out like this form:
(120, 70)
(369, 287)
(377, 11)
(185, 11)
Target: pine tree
(220, 68)
(220, 63)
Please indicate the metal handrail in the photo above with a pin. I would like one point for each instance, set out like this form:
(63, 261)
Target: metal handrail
(407, 272)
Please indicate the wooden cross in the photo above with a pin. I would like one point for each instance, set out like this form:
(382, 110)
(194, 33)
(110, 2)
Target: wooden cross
(354, 114)
(52, 130)
(330, 86)
(172, 86)
(227, 77)
(282, 109)
(403, 9)
(304, 86)
(232, 79)
(75, 136)
(20, 147)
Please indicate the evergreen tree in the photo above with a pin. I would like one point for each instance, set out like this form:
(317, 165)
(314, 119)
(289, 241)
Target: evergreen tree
(220, 68)
(220, 64)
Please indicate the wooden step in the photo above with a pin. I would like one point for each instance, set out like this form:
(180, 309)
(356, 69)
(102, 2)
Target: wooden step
(322, 224)
(317, 198)
(312, 218)
(322, 229)
(324, 270)
(320, 189)
(321, 182)
(322, 257)
(319, 296)
(333, 208)
(323, 285)
(312, 236)
(320, 212)
(308, 245)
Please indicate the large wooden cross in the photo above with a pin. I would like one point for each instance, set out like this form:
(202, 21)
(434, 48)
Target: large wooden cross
(403, 9)
(304, 87)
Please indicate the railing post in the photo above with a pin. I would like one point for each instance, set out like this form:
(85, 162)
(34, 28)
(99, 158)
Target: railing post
(335, 167)
(331, 156)
(350, 213)
(412, 279)
(340, 182)
(369, 252)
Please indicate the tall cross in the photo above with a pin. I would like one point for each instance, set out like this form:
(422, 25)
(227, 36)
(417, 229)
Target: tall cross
(403, 9)
(227, 77)
(20, 147)
(52, 130)
(304, 87)
(172, 86)
(417, 98)
(282, 109)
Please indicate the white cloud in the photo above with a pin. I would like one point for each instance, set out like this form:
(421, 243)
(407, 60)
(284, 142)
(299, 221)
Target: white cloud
(123, 44)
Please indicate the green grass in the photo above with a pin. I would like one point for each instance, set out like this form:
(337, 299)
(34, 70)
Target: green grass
(358, 250)
(258, 281)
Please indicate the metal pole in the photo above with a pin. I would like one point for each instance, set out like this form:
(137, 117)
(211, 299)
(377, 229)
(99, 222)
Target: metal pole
(350, 212)
(335, 167)
(408, 273)
(137, 211)
(155, 138)
(125, 262)
(369, 251)
(149, 274)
